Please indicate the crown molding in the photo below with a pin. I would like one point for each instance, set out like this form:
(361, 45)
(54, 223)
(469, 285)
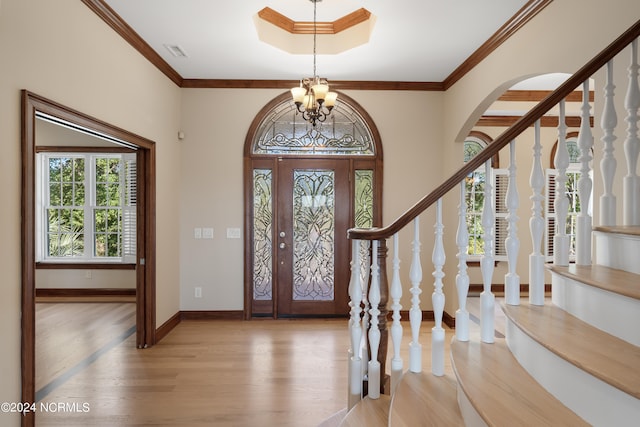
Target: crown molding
(526, 13)
(303, 27)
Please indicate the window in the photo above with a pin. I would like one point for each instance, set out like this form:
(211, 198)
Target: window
(86, 207)
(474, 197)
(573, 175)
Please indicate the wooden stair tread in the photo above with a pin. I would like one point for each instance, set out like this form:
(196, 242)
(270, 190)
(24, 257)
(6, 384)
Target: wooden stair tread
(609, 279)
(500, 389)
(422, 399)
(369, 413)
(632, 230)
(602, 355)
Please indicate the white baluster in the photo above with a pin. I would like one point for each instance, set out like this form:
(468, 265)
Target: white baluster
(536, 224)
(608, 163)
(374, 330)
(365, 269)
(631, 202)
(487, 299)
(512, 279)
(585, 185)
(437, 298)
(462, 278)
(415, 313)
(355, 293)
(561, 203)
(396, 328)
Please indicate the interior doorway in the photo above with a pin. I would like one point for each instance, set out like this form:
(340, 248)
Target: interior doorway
(305, 186)
(35, 108)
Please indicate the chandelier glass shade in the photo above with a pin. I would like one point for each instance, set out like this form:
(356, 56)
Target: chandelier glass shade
(312, 98)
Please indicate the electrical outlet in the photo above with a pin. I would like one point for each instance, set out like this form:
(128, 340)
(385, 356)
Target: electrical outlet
(197, 233)
(198, 292)
(207, 233)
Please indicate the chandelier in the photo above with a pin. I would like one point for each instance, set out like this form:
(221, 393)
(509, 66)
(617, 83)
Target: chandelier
(312, 97)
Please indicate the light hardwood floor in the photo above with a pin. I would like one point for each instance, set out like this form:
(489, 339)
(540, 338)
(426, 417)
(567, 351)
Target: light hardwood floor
(205, 373)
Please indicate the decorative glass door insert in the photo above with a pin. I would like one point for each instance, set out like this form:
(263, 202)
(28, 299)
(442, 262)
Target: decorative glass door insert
(304, 188)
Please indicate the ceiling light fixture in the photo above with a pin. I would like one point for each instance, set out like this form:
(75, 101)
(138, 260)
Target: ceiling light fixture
(312, 97)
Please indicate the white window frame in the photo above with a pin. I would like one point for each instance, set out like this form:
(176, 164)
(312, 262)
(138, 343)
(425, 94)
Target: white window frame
(127, 205)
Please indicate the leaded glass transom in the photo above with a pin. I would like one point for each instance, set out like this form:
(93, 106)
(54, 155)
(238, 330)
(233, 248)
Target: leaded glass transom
(284, 131)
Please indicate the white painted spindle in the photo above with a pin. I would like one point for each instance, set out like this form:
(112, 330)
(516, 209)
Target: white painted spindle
(608, 163)
(585, 185)
(374, 329)
(487, 299)
(561, 203)
(512, 279)
(415, 313)
(365, 269)
(462, 278)
(396, 328)
(355, 293)
(536, 223)
(437, 298)
(631, 202)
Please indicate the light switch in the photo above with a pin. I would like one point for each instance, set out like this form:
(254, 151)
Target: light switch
(197, 233)
(207, 233)
(233, 233)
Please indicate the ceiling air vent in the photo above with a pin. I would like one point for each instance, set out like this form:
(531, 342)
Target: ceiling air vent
(176, 50)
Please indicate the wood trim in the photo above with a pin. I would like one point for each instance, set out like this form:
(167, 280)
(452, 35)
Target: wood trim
(212, 315)
(304, 27)
(108, 15)
(524, 15)
(545, 121)
(85, 292)
(168, 326)
(539, 95)
(83, 266)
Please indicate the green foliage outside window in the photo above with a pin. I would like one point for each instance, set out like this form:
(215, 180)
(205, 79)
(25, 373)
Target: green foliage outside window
(68, 203)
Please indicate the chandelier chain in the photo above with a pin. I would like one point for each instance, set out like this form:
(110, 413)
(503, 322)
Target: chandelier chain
(315, 4)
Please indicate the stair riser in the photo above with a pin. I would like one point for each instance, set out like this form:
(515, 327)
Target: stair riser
(618, 251)
(613, 313)
(596, 402)
(469, 413)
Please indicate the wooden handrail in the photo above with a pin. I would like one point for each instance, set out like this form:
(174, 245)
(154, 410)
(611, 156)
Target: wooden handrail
(506, 137)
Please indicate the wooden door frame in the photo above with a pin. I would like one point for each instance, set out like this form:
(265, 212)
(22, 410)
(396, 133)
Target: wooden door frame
(32, 104)
(251, 161)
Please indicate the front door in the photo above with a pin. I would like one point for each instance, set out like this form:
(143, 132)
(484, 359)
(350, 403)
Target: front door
(312, 256)
(304, 187)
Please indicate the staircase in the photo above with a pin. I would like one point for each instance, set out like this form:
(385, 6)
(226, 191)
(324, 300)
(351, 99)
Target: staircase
(569, 359)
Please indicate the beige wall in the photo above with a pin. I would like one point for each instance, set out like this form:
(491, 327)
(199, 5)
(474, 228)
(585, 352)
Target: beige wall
(85, 279)
(76, 60)
(215, 123)
(61, 50)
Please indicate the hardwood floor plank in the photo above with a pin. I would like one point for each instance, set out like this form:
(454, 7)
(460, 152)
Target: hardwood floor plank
(221, 372)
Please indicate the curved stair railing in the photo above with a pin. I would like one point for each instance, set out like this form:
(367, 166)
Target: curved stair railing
(369, 290)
